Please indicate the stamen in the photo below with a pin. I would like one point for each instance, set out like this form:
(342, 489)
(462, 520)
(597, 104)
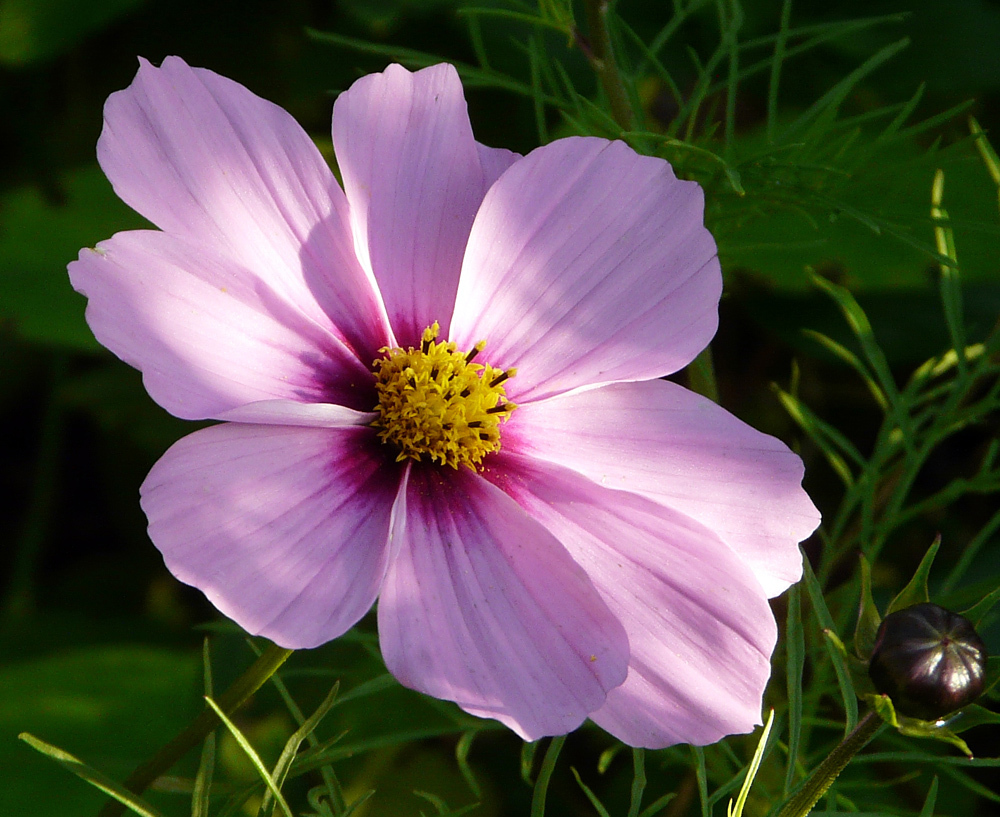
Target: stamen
(433, 402)
(475, 351)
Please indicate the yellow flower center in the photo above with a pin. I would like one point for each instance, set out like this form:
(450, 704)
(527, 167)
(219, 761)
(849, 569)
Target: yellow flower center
(435, 404)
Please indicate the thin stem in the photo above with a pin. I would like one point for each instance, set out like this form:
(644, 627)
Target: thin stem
(232, 699)
(822, 778)
(602, 60)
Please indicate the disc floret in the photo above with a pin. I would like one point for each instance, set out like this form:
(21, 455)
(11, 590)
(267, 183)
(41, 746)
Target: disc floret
(436, 405)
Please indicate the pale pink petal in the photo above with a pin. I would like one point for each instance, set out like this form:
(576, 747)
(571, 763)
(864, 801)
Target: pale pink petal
(495, 162)
(699, 627)
(683, 451)
(285, 530)
(414, 177)
(482, 606)
(203, 158)
(291, 413)
(208, 335)
(588, 263)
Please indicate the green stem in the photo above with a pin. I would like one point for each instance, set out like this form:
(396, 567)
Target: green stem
(232, 699)
(602, 60)
(823, 776)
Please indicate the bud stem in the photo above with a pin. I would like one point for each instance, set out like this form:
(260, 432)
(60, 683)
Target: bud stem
(822, 778)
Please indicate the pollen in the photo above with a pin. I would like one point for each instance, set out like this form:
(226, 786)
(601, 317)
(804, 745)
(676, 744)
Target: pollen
(436, 405)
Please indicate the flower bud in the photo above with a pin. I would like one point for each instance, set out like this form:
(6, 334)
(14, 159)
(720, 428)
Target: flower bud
(928, 660)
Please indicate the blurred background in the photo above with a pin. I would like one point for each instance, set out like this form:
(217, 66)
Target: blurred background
(100, 650)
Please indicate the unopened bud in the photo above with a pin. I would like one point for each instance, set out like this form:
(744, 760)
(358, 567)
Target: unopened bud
(928, 660)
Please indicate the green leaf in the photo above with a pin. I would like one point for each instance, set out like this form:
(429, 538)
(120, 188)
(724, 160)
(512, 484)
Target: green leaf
(931, 799)
(638, 781)
(832, 99)
(858, 321)
(911, 727)
(91, 775)
(202, 790)
(915, 591)
(258, 764)
(38, 238)
(462, 749)
(658, 805)
(989, 155)
(971, 715)
(528, 752)
(869, 618)
(847, 356)
(950, 283)
(795, 659)
(978, 611)
(701, 775)
(594, 800)
(443, 809)
(736, 809)
(992, 673)
(833, 645)
(541, 790)
(828, 438)
(291, 748)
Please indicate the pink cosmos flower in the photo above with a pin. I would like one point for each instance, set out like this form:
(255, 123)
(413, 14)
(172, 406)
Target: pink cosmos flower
(552, 533)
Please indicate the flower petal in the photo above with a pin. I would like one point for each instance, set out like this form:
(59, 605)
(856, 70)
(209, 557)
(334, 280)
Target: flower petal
(482, 606)
(203, 158)
(495, 162)
(414, 177)
(284, 529)
(208, 335)
(292, 413)
(588, 263)
(683, 451)
(699, 627)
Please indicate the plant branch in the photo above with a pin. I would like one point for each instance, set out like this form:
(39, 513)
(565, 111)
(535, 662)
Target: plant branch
(822, 778)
